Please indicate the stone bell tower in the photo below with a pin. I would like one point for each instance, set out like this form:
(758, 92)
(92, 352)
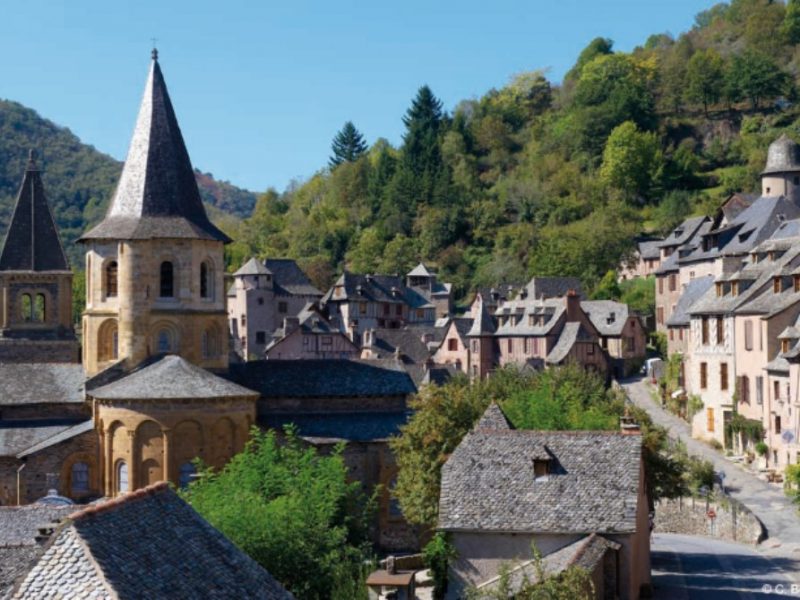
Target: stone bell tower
(154, 265)
(35, 282)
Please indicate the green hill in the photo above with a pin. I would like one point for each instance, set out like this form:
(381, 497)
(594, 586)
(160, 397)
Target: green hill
(80, 180)
(552, 178)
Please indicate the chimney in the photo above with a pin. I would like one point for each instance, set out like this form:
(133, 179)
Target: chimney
(573, 306)
(391, 565)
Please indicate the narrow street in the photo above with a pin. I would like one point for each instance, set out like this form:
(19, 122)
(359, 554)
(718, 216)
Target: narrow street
(768, 502)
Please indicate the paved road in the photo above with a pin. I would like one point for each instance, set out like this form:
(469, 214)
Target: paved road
(692, 568)
(768, 502)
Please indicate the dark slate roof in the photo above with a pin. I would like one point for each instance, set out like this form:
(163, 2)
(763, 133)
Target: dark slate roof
(483, 323)
(17, 436)
(31, 242)
(252, 267)
(493, 418)
(420, 271)
(147, 544)
(488, 482)
(37, 383)
(517, 314)
(758, 222)
(552, 287)
(783, 155)
(353, 427)
(683, 232)
(288, 278)
(408, 341)
(693, 291)
(376, 288)
(157, 194)
(327, 378)
(170, 377)
(59, 437)
(572, 333)
(649, 249)
(607, 316)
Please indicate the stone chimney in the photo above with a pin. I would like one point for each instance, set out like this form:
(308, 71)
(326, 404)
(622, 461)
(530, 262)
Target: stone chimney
(573, 301)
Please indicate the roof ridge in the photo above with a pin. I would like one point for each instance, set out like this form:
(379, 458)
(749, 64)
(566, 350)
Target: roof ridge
(587, 541)
(115, 503)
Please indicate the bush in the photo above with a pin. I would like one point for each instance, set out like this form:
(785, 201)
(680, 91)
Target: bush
(437, 554)
(762, 448)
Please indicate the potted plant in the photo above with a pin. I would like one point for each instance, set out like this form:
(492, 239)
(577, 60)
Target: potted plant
(761, 450)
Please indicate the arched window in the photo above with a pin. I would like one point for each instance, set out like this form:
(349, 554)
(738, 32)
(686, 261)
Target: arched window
(39, 309)
(111, 279)
(166, 289)
(108, 341)
(26, 307)
(210, 343)
(80, 479)
(186, 475)
(122, 477)
(164, 341)
(205, 280)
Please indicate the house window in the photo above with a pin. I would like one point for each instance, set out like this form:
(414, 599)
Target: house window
(660, 285)
(776, 388)
(362, 308)
(710, 420)
(703, 375)
(80, 479)
(540, 469)
(671, 334)
(186, 474)
(776, 285)
(164, 341)
(777, 423)
(527, 345)
(720, 331)
(531, 321)
(243, 320)
(748, 335)
(452, 344)
(723, 376)
(744, 389)
(205, 286)
(111, 279)
(536, 345)
(261, 337)
(398, 310)
(283, 307)
(704, 325)
(166, 288)
(673, 283)
(26, 308)
(784, 345)
(759, 389)
(660, 315)
(475, 346)
(510, 345)
(122, 477)
(680, 333)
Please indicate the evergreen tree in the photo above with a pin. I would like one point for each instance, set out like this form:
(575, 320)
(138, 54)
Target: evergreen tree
(704, 78)
(347, 145)
(790, 28)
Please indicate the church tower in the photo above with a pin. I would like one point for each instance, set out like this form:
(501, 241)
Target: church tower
(35, 282)
(154, 265)
(781, 175)
(482, 343)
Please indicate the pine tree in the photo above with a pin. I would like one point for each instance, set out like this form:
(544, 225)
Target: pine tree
(347, 145)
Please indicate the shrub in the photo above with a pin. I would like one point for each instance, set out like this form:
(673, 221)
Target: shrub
(761, 448)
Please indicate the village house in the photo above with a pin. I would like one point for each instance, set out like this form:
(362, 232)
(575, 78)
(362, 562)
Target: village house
(263, 295)
(492, 297)
(622, 334)
(570, 493)
(103, 551)
(309, 336)
(414, 346)
(645, 260)
(781, 396)
(469, 344)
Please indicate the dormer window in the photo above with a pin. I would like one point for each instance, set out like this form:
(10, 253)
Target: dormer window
(784, 346)
(735, 288)
(718, 285)
(776, 285)
(541, 469)
(796, 282)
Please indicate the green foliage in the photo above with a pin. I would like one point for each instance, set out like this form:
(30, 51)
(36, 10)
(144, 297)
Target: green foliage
(437, 555)
(754, 76)
(632, 162)
(292, 511)
(790, 28)
(658, 340)
(78, 294)
(793, 483)
(693, 406)
(704, 78)
(751, 429)
(347, 146)
(639, 294)
(761, 448)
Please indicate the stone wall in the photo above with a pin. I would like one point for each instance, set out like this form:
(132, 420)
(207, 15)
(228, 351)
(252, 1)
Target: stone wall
(689, 516)
(15, 350)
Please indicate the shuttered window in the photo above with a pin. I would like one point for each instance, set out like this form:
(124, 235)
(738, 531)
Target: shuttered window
(703, 375)
(748, 335)
(710, 420)
(723, 376)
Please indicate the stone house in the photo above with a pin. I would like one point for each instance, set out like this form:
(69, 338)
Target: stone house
(309, 335)
(505, 489)
(103, 551)
(361, 403)
(645, 260)
(263, 295)
(781, 414)
(469, 343)
(412, 346)
(426, 283)
(492, 297)
(622, 334)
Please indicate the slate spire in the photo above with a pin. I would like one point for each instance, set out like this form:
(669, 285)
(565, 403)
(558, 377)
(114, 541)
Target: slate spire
(157, 194)
(32, 242)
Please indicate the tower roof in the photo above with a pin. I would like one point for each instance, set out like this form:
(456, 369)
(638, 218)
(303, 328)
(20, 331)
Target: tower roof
(32, 242)
(157, 195)
(482, 324)
(783, 156)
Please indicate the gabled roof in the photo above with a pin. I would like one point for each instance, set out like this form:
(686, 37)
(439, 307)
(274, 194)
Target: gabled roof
(539, 288)
(608, 316)
(17, 436)
(572, 333)
(170, 378)
(693, 291)
(683, 232)
(420, 271)
(39, 383)
(488, 483)
(252, 267)
(482, 324)
(649, 249)
(146, 544)
(289, 278)
(326, 378)
(31, 241)
(157, 194)
(338, 426)
(375, 288)
(59, 437)
(407, 341)
(493, 419)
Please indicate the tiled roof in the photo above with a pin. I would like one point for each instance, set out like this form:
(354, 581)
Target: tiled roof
(607, 316)
(147, 544)
(758, 222)
(18, 435)
(407, 340)
(691, 293)
(420, 271)
(252, 267)
(38, 383)
(330, 378)
(552, 287)
(376, 288)
(59, 437)
(516, 313)
(649, 249)
(783, 155)
(572, 333)
(288, 278)
(157, 194)
(683, 232)
(482, 324)
(171, 377)
(493, 419)
(593, 483)
(354, 427)
(31, 241)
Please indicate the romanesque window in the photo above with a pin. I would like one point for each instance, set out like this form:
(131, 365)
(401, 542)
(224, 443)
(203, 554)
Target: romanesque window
(186, 475)
(26, 307)
(111, 279)
(108, 341)
(164, 341)
(205, 284)
(80, 479)
(167, 286)
(39, 315)
(122, 477)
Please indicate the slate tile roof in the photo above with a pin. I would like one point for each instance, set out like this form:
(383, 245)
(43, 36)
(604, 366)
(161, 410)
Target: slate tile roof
(607, 316)
(783, 155)
(483, 324)
(31, 242)
(333, 427)
(59, 437)
(331, 378)
(171, 377)
(157, 194)
(513, 316)
(252, 267)
(37, 383)
(649, 249)
(488, 482)
(572, 333)
(407, 340)
(493, 419)
(552, 287)
(376, 288)
(16, 436)
(289, 279)
(147, 544)
(683, 232)
(694, 290)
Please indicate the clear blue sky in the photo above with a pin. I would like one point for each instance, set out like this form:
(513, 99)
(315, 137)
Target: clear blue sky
(260, 88)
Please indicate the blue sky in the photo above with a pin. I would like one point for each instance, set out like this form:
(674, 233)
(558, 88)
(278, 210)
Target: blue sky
(260, 88)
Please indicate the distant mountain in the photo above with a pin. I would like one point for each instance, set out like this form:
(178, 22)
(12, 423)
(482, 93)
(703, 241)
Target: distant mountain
(79, 179)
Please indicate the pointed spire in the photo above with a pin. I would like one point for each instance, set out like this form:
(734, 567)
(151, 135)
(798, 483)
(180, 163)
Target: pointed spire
(157, 194)
(32, 242)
